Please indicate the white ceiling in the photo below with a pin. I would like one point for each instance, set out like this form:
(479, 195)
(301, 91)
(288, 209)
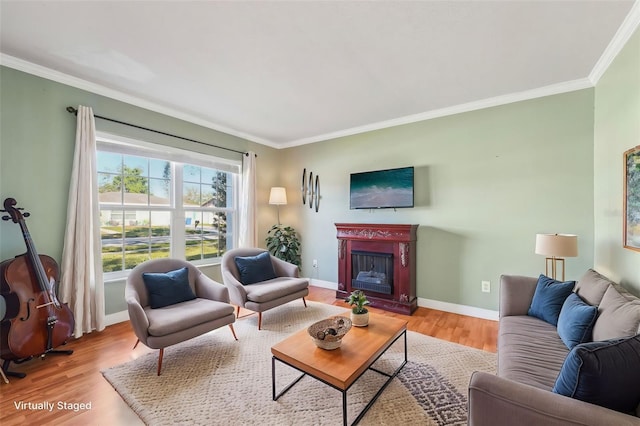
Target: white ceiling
(285, 73)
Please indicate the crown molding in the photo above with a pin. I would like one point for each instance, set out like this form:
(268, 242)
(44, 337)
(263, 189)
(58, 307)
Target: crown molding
(622, 36)
(554, 89)
(59, 77)
(626, 30)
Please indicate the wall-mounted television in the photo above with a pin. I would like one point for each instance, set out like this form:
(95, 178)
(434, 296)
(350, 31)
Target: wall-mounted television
(382, 189)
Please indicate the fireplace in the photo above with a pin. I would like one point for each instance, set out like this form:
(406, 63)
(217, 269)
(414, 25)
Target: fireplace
(372, 271)
(379, 260)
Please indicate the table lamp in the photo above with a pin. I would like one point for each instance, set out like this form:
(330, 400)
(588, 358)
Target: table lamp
(556, 247)
(278, 197)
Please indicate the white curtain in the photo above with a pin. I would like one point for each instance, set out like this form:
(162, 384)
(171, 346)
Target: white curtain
(81, 285)
(248, 204)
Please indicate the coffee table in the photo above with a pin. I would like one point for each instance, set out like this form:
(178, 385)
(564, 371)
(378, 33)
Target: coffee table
(340, 368)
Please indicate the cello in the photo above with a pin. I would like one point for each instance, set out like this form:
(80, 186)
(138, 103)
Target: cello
(35, 321)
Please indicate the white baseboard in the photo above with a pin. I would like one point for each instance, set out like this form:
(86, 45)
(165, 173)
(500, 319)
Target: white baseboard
(116, 317)
(454, 308)
(324, 284)
(123, 316)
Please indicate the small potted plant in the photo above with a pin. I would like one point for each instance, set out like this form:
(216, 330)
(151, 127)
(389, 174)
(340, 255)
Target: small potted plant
(359, 314)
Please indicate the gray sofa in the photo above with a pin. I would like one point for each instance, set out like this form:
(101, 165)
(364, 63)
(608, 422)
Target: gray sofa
(531, 354)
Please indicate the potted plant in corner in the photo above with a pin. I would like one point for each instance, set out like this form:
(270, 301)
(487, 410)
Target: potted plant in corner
(283, 243)
(359, 314)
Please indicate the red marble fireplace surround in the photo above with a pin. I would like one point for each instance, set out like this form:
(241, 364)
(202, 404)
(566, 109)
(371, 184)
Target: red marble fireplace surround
(399, 241)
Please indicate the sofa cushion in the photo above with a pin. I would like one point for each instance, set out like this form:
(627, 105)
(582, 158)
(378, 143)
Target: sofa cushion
(168, 288)
(592, 286)
(185, 316)
(548, 298)
(603, 373)
(619, 315)
(575, 323)
(529, 351)
(254, 269)
(276, 288)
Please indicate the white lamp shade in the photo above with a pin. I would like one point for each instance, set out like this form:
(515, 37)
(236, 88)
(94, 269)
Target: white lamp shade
(557, 245)
(278, 196)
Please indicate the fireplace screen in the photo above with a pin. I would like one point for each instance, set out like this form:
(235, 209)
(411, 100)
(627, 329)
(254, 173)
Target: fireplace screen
(372, 271)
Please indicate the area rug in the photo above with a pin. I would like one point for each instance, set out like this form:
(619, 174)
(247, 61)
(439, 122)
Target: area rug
(215, 380)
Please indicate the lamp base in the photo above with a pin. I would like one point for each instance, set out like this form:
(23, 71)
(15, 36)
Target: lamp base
(554, 266)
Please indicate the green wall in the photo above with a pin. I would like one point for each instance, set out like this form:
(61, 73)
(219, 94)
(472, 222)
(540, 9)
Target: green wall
(37, 139)
(617, 129)
(486, 182)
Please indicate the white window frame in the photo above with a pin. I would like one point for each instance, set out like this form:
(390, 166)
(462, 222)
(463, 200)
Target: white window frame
(177, 158)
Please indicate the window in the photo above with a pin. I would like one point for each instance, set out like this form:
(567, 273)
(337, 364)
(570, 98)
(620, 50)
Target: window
(206, 197)
(140, 216)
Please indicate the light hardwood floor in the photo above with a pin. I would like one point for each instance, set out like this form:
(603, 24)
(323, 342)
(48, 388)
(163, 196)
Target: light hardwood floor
(77, 378)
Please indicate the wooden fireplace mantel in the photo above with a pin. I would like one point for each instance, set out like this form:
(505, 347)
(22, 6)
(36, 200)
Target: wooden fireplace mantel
(396, 240)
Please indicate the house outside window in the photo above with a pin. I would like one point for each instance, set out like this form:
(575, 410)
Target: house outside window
(206, 198)
(157, 202)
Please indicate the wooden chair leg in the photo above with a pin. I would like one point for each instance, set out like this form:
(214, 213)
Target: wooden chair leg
(305, 302)
(4, 377)
(233, 331)
(238, 312)
(134, 346)
(259, 320)
(160, 360)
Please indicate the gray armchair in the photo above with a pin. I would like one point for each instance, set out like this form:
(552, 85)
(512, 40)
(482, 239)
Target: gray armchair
(265, 295)
(166, 326)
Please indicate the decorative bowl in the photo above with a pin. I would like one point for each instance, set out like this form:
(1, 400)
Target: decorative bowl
(328, 333)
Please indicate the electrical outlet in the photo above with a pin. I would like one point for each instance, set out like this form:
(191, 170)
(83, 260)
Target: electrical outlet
(486, 286)
(315, 263)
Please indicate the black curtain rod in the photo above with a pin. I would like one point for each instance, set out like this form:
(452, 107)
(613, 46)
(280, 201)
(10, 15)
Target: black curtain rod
(74, 111)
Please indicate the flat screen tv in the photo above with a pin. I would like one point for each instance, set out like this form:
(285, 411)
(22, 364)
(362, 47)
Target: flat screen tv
(382, 189)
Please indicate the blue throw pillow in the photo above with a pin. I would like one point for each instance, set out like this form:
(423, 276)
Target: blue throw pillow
(254, 269)
(168, 288)
(548, 298)
(603, 373)
(576, 320)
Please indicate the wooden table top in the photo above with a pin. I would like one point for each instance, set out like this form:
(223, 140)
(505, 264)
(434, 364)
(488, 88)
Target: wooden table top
(341, 367)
